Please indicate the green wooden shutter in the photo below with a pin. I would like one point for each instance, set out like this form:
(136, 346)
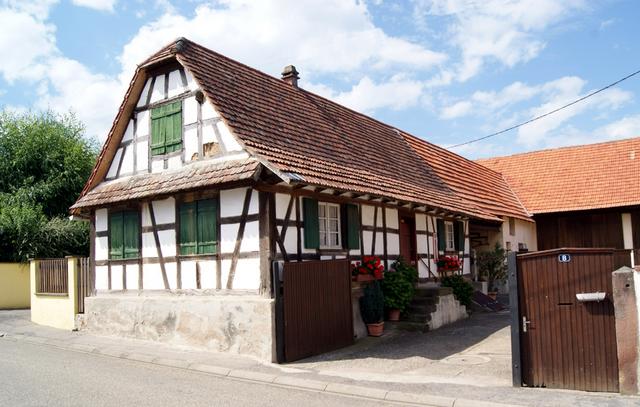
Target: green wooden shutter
(187, 228)
(131, 234)
(458, 233)
(116, 235)
(173, 138)
(311, 223)
(442, 238)
(166, 128)
(158, 136)
(206, 210)
(353, 226)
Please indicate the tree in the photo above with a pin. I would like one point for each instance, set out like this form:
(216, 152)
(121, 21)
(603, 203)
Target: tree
(492, 265)
(44, 162)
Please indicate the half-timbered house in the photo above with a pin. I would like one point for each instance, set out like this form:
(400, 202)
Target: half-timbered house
(213, 172)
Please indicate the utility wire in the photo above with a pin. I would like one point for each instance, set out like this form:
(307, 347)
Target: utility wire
(546, 114)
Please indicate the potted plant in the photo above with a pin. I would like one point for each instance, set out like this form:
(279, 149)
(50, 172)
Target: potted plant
(369, 269)
(448, 264)
(372, 308)
(398, 288)
(493, 267)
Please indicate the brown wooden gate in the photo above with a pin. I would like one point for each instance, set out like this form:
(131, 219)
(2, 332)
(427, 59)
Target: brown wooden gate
(566, 343)
(317, 307)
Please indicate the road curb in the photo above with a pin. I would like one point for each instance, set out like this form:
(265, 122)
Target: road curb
(266, 378)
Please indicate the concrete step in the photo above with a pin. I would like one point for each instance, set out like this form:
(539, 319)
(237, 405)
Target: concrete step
(421, 308)
(424, 301)
(418, 317)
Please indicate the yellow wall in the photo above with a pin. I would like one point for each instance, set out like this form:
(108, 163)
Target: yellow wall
(14, 285)
(57, 311)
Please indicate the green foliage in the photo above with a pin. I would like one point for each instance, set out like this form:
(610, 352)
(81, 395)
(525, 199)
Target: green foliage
(398, 285)
(44, 163)
(462, 289)
(492, 265)
(372, 303)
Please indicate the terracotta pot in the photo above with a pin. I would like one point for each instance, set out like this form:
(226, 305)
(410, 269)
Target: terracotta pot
(493, 295)
(394, 315)
(375, 329)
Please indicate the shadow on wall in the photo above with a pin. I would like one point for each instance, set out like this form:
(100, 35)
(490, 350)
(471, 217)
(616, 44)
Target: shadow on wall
(14, 286)
(433, 345)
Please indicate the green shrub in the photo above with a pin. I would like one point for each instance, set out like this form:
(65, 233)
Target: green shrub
(372, 303)
(397, 289)
(408, 270)
(462, 289)
(492, 266)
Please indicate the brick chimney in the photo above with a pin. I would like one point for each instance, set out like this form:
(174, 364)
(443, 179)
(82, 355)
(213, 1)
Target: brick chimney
(290, 75)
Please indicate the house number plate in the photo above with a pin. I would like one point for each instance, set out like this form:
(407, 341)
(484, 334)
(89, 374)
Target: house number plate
(564, 258)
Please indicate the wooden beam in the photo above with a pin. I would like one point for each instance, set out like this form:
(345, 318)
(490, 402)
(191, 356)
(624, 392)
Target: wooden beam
(236, 250)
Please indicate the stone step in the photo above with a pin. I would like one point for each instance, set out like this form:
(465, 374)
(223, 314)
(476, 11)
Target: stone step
(418, 317)
(428, 291)
(424, 301)
(421, 308)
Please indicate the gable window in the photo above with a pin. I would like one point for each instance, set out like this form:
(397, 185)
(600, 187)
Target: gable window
(166, 128)
(450, 241)
(198, 227)
(124, 234)
(329, 225)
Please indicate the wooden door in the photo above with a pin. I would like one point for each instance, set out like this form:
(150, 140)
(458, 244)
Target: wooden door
(566, 343)
(408, 239)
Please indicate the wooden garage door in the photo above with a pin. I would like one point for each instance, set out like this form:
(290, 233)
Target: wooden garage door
(567, 344)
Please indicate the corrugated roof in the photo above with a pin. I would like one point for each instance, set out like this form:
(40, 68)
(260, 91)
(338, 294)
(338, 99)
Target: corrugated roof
(592, 176)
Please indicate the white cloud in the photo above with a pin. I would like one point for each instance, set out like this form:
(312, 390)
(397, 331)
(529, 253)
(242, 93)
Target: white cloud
(628, 126)
(506, 31)
(456, 110)
(100, 5)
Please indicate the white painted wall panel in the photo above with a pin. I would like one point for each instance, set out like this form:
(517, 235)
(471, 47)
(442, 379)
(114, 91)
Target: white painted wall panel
(175, 83)
(188, 272)
(421, 221)
(149, 245)
(102, 220)
(142, 125)
(367, 236)
(142, 159)
(282, 201)
(157, 93)
(172, 274)
(190, 143)
(152, 277)
(207, 274)
(102, 248)
(208, 134)
(165, 211)
(145, 91)
(128, 133)
(113, 169)
(228, 235)
(116, 277)
(174, 162)
(431, 224)
(367, 215)
(232, 201)
(157, 166)
(228, 140)
(208, 112)
(251, 238)
(393, 244)
(132, 276)
(247, 275)
(146, 219)
(127, 161)
(190, 114)
(102, 277)
(391, 218)
(167, 242)
(290, 240)
(421, 243)
(423, 271)
(191, 83)
(379, 244)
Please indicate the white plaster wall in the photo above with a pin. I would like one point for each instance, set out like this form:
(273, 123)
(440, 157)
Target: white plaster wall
(290, 240)
(101, 248)
(282, 201)
(174, 162)
(247, 276)
(191, 83)
(421, 244)
(132, 276)
(113, 169)
(391, 218)
(167, 242)
(157, 166)
(157, 93)
(127, 161)
(190, 108)
(188, 272)
(232, 201)
(228, 235)
(229, 141)
(152, 277)
(145, 91)
(207, 274)
(525, 233)
(190, 143)
(165, 211)
(367, 215)
(142, 151)
(367, 237)
(175, 83)
(208, 112)
(627, 231)
(149, 245)
(102, 220)
(171, 268)
(102, 277)
(208, 134)
(142, 125)
(393, 244)
(421, 221)
(146, 218)
(116, 277)
(128, 133)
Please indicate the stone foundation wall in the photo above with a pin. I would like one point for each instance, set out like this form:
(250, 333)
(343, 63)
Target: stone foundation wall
(235, 324)
(448, 310)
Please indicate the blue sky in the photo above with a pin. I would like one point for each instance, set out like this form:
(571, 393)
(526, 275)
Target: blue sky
(444, 70)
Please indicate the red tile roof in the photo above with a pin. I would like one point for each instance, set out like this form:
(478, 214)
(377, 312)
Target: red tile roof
(190, 177)
(480, 185)
(593, 176)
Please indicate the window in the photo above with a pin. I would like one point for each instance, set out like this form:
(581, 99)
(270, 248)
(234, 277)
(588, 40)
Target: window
(124, 235)
(450, 240)
(329, 225)
(166, 128)
(198, 229)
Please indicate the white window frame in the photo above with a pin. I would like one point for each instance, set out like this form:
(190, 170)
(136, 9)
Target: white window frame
(323, 226)
(449, 236)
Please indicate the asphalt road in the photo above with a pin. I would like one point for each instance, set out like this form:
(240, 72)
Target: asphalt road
(37, 375)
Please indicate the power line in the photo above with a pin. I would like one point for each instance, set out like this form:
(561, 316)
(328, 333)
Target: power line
(546, 114)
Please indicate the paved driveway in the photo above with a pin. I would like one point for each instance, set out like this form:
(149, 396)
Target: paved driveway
(474, 351)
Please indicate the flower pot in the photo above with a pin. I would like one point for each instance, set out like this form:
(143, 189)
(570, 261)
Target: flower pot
(363, 278)
(493, 295)
(375, 329)
(394, 315)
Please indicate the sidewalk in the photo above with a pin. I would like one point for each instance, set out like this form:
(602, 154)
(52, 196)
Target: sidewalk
(15, 325)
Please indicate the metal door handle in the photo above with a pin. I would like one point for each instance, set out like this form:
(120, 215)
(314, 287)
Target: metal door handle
(525, 323)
